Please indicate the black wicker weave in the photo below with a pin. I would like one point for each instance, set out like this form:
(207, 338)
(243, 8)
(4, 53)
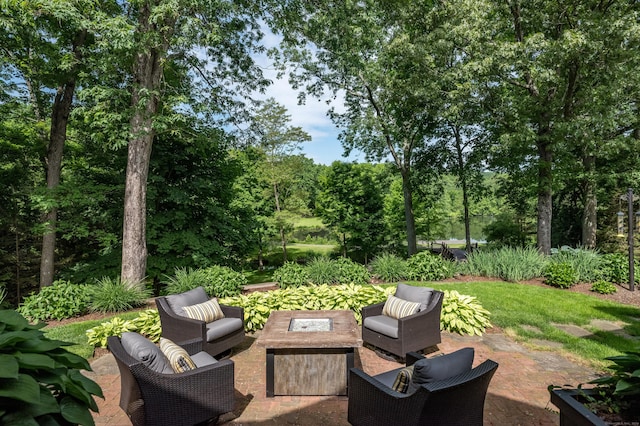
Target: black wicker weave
(151, 398)
(415, 332)
(457, 401)
(178, 328)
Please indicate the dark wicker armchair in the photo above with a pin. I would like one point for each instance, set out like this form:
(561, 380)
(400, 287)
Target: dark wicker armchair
(149, 397)
(218, 336)
(455, 401)
(414, 332)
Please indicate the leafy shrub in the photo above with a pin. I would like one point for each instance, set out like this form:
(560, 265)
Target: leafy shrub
(291, 275)
(615, 268)
(114, 295)
(505, 231)
(350, 272)
(586, 263)
(322, 270)
(58, 301)
(222, 281)
(219, 281)
(560, 274)
(603, 287)
(41, 380)
(426, 266)
(507, 263)
(147, 324)
(462, 314)
(389, 268)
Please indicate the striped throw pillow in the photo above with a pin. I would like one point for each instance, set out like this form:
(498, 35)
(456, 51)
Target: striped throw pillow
(208, 311)
(178, 357)
(398, 308)
(401, 384)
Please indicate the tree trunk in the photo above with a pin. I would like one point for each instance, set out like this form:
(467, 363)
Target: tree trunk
(463, 183)
(545, 209)
(412, 246)
(147, 72)
(590, 214)
(57, 137)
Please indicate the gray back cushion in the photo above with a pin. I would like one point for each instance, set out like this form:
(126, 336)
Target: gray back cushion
(429, 370)
(192, 297)
(145, 351)
(414, 294)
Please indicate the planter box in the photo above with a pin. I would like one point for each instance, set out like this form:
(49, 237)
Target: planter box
(572, 412)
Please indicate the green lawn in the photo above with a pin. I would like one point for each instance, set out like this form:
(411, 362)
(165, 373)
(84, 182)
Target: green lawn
(309, 222)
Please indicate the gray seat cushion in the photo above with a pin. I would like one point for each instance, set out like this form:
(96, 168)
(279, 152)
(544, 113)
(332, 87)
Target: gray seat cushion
(223, 327)
(192, 297)
(429, 370)
(411, 293)
(202, 359)
(382, 324)
(145, 351)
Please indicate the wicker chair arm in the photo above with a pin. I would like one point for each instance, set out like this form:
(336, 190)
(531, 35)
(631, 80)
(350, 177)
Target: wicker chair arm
(423, 323)
(177, 327)
(372, 403)
(233, 311)
(413, 357)
(372, 310)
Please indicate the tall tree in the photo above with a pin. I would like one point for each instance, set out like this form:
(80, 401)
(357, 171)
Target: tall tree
(214, 41)
(44, 43)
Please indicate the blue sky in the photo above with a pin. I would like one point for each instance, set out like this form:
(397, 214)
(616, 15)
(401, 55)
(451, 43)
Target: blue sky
(324, 147)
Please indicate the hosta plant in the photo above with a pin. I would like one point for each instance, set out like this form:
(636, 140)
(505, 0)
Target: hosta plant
(603, 287)
(463, 314)
(147, 324)
(41, 381)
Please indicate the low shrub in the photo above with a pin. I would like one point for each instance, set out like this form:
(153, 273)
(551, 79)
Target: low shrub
(219, 281)
(462, 314)
(426, 266)
(222, 281)
(350, 272)
(114, 295)
(58, 301)
(389, 268)
(560, 274)
(291, 275)
(42, 383)
(615, 268)
(603, 287)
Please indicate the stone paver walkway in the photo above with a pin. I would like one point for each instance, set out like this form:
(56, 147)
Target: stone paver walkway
(517, 394)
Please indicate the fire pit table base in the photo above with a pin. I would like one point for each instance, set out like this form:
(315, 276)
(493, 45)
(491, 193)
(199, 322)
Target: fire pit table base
(308, 371)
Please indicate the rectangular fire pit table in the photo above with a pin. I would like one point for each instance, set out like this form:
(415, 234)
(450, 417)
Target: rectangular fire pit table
(309, 352)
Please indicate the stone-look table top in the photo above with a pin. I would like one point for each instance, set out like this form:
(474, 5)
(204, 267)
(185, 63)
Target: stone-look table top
(276, 334)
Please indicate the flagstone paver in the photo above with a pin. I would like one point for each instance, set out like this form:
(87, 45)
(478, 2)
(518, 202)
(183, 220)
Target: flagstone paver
(517, 394)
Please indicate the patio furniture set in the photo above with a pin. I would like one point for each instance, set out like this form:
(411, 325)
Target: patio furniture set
(188, 379)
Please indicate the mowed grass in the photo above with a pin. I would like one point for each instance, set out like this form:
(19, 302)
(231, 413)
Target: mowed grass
(309, 222)
(529, 312)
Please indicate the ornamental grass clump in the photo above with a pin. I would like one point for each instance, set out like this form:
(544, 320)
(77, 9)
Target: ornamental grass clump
(508, 263)
(389, 268)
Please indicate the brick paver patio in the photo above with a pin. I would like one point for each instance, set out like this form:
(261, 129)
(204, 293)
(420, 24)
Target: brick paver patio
(517, 394)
